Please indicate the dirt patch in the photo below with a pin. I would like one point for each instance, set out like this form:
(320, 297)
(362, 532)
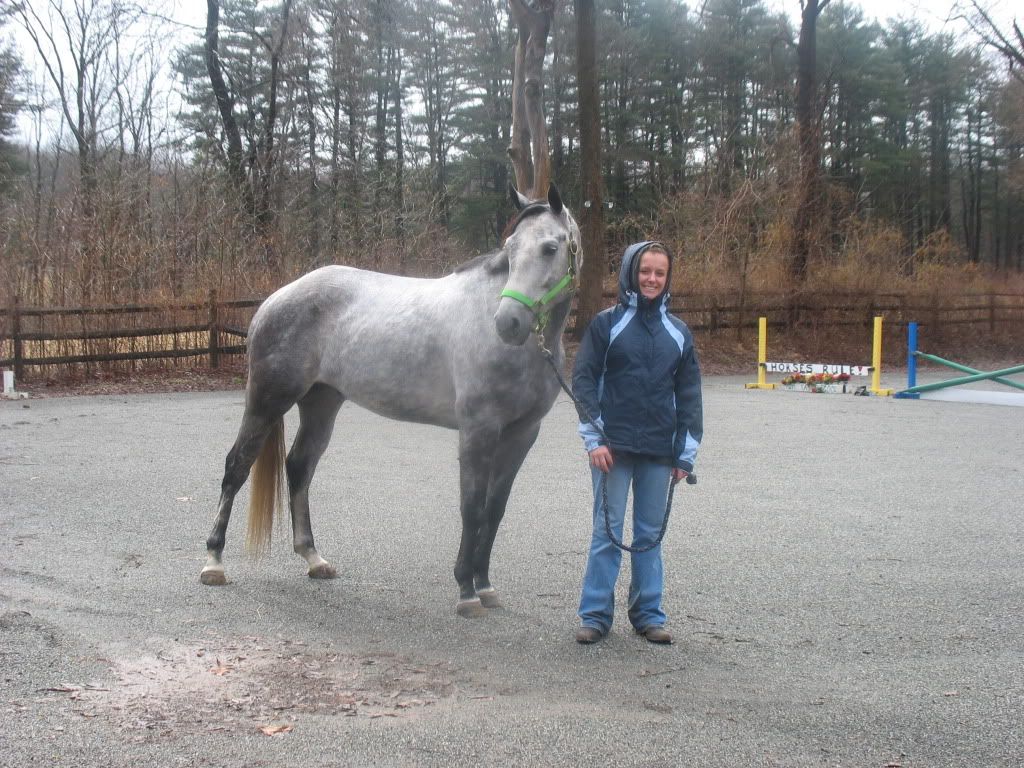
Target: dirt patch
(255, 685)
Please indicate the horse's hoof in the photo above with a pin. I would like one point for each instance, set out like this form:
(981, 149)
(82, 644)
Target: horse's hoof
(323, 571)
(489, 598)
(213, 577)
(470, 609)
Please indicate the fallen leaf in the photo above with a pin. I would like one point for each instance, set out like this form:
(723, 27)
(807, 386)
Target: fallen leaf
(275, 730)
(221, 669)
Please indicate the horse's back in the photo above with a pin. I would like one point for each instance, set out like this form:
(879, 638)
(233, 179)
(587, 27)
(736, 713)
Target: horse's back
(381, 340)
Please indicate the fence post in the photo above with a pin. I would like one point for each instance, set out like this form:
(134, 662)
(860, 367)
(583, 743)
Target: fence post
(214, 331)
(19, 365)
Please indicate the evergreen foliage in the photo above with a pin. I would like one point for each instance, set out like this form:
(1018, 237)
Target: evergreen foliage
(392, 123)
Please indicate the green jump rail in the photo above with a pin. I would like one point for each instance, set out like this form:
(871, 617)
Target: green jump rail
(914, 390)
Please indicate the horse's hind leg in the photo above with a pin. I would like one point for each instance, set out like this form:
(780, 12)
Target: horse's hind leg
(317, 411)
(513, 446)
(251, 436)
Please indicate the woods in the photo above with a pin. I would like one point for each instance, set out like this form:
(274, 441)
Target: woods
(771, 150)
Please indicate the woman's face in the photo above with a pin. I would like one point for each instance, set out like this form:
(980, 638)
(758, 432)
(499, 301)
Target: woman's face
(652, 274)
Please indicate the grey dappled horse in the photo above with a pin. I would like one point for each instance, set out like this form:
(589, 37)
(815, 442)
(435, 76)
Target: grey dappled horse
(449, 352)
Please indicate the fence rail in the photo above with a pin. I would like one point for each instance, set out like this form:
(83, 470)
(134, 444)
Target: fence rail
(41, 338)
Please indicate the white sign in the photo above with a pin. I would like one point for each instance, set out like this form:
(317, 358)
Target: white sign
(852, 370)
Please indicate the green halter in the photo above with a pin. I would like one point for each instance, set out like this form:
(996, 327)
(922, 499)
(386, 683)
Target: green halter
(539, 307)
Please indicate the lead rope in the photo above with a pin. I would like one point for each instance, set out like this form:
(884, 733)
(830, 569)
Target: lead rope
(691, 479)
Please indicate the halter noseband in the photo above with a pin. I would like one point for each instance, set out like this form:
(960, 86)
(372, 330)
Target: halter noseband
(538, 307)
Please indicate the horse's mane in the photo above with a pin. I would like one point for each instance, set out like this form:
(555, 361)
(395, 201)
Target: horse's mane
(532, 209)
(492, 260)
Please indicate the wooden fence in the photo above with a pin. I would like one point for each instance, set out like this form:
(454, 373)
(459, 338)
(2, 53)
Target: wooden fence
(45, 340)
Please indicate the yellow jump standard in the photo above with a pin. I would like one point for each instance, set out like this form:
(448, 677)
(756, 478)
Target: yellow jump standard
(762, 356)
(763, 366)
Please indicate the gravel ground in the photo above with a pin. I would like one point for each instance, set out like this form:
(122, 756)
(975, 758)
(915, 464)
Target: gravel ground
(844, 585)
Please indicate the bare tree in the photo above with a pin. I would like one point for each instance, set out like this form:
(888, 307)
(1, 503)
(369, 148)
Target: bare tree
(434, 77)
(266, 165)
(251, 177)
(345, 117)
(73, 39)
(1010, 44)
(529, 142)
(225, 103)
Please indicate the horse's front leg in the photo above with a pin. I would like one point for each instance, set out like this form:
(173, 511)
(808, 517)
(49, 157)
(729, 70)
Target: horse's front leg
(476, 458)
(513, 446)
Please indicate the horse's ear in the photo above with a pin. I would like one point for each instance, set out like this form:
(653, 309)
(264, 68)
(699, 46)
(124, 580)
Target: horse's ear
(554, 199)
(518, 200)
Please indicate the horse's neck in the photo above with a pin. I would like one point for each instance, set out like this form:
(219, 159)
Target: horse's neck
(556, 327)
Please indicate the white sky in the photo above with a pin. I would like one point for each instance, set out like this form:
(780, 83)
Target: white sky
(935, 14)
(932, 13)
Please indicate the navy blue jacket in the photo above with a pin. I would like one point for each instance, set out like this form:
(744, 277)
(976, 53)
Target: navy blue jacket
(637, 376)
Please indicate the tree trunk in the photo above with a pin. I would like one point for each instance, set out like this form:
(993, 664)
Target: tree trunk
(809, 135)
(595, 263)
(529, 148)
(226, 106)
(311, 138)
(399, 195)
(267, 162)
(384, 57)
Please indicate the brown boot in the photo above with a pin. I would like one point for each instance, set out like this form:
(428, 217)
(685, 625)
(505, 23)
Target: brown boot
(656, 634)
(588, 635)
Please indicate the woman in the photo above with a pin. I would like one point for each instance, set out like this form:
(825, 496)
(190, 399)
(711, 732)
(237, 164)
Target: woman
(637, 376)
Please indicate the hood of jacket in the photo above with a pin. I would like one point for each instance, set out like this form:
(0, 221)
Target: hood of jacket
(629, 287)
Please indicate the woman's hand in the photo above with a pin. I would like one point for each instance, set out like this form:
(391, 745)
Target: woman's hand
(601, 458)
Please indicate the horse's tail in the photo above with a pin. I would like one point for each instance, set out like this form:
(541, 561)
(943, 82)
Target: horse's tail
(267, 492)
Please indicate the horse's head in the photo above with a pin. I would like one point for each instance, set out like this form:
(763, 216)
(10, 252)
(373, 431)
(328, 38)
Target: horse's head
(544, 259)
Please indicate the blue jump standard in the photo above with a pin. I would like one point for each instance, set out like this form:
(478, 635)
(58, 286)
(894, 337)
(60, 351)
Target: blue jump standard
(914, 391)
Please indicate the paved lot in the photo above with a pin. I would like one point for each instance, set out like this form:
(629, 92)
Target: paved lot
(845, 586)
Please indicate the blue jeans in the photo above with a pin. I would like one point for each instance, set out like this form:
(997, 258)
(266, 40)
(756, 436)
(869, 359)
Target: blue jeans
(650, 491)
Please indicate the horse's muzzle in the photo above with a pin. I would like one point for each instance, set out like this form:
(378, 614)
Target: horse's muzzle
(513, 322)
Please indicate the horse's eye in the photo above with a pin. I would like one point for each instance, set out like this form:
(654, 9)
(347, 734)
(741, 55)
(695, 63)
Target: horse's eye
(550, 249)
